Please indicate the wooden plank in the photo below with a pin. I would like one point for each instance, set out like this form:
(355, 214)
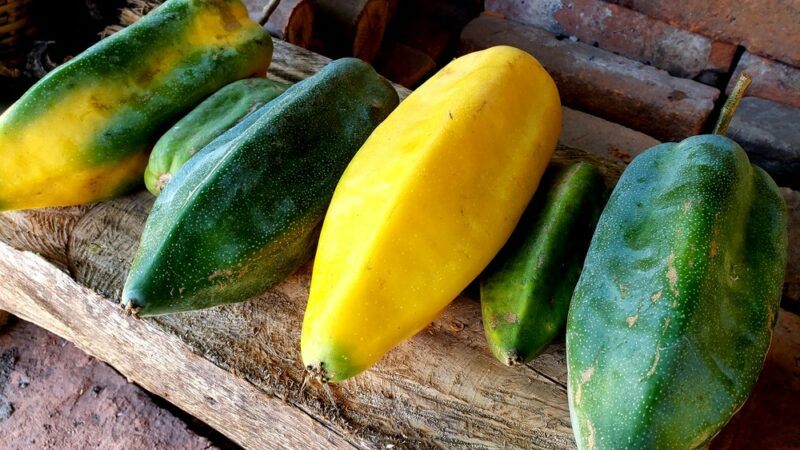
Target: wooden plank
(37, 291)
(238, 366)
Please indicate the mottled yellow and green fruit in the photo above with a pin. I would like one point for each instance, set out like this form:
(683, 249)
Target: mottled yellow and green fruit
(425, 205)
(82, 133)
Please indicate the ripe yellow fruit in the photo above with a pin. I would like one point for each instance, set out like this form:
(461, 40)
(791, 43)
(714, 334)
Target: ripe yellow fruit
(426, 204)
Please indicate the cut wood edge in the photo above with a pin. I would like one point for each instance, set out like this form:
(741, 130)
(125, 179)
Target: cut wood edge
(38, 292)
(351, 27)
(370, 28)
(292, 21)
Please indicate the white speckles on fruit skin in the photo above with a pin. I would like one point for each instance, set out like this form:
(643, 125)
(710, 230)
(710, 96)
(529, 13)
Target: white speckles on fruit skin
(244, 213)
(676, 358)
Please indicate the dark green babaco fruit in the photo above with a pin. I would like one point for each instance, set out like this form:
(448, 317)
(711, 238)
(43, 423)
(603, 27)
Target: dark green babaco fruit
(244, 213)
(525, 292)
(673, 314)
(214, 116)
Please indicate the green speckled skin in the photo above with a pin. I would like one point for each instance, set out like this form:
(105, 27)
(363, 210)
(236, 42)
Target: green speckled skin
(673, 314)
(525, 292)
(244, 213)
(214, 116)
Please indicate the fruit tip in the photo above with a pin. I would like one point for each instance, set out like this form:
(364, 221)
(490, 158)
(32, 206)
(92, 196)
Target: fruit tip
(513, 358)
(131, 310)
(318, 372)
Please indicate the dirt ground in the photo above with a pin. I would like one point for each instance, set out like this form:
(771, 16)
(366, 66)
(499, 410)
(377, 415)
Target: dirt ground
(54, 396)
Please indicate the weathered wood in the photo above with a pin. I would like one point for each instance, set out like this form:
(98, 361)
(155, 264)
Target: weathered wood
(292, 21)
(238, 366)
(158, 360)
(352, 27)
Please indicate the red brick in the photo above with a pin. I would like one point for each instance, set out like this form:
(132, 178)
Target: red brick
(604, 84)
(607, 140)
(767, 27)
(624, 31)
(771, 80)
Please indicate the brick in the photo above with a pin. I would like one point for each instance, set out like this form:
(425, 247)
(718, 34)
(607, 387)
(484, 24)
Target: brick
(769, 132)
(772, 80)
(607, 140)
(604, 84)
(623, 31)
(769, 28)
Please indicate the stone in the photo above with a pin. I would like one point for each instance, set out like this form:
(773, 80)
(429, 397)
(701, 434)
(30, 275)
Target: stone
(770, 134)
(601, 83)
(623, 31)
(768, 28)
(772, 80)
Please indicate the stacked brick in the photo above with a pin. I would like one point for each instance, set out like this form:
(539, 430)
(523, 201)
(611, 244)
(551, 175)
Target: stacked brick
(663, 67)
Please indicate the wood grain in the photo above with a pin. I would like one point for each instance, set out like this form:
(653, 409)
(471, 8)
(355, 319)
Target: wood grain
(35, 290)
(238, 367)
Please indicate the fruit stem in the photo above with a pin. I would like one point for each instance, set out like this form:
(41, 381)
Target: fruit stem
(729, 108)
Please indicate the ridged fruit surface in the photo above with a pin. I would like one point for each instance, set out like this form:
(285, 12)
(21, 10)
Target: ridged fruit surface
(244, 213)
(526, 290)
(82, 133)
(674, 310)
(426, 204)
(211, 118)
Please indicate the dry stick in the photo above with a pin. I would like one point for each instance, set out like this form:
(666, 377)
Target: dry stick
(267, 11)
(729, 108)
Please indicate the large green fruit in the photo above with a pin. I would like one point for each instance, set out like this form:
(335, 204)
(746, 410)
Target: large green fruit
(525, 292)
(244, 213)
(83, 132)
(214, 116)
(674, 311)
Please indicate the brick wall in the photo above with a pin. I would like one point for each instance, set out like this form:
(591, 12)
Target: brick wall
(664, 67)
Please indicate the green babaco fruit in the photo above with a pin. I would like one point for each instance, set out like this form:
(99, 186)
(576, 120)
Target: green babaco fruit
(525, 292)
(673, 314)
(214, 116)
(244, 213)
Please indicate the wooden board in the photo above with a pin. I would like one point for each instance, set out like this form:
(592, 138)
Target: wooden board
(238, 367)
